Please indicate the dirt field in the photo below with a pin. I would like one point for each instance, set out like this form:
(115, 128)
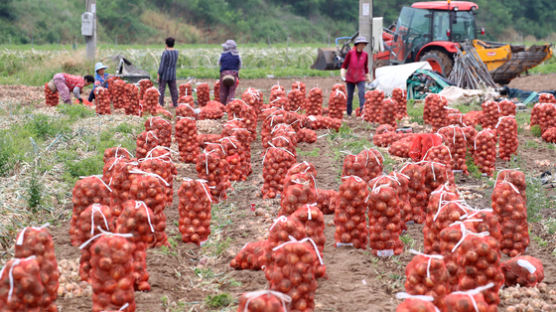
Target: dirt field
(535, 82)
(184, 275)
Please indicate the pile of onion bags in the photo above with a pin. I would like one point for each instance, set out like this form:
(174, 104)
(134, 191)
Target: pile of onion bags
(117, 91)
(298, 190)
(195, 211)
(164, 168)
(403, 196)
(436, 174)
(454, 137)
(276, 162)
(297, 259)
(525, 271)
(277, 91)
(203, 94)
(491, 114)
(236, 156)
(275, 118)
(251, 257)
(515, 177)
(112, 272)
(116, 172)
(401, 147)
(186, 136)
(162, 128)
(87, 191)
(350, 213)
(509, 205)
(441, 154)
(116, 152)
(21, 288)
(337, 104)
(136, 219)
(102, 101)
(416, 191)
(212, 110)
(305, 135)
(484, 154)
(144, 84)
(507, 132)
(264, 301)
(186, 110)
(385, 222)
(449, 211)
(37, 241)
(426, 275)
(151, 189)
(213, 167)
(372, 107)
(146, 141)
(322, 122)
(150, 101)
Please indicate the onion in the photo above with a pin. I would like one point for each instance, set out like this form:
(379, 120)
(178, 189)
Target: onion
(435, 112)
(213, 167)
(251, 257)
(314, 103)
(385, 217)
(484, 153)
(203, 94)
(491, 113)
(150, 101)
(337, 102)
(526, 271)
(21, 288)
(455, 139)
(195, 211)
(426, 275)
(187, 138)
(264, 301)
(51, 98)
(144, 84)
(350, 213)
(102, 101)
(252, 98)
(416, 191)
(185, 90)
(295, 100)
(507, 131)
(400, 97)
(276, 163)
(372, 107)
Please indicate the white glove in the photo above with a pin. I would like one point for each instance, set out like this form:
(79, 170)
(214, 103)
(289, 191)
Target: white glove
(343, 72)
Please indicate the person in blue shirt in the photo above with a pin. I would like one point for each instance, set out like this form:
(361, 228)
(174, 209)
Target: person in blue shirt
(101, 78)
(230, 63)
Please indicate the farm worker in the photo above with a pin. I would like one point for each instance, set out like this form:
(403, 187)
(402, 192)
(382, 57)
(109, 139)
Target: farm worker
(355, 71)
(230, 63)
(63, 83)
(167, 72)
(100, 79)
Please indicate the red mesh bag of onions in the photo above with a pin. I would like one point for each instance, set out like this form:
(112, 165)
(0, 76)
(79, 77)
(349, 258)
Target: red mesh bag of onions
(213, 167)
(87, 191)
(385, 223)
(133, 106)
(144, 84)
(435, 112)
(413, 303)
(264, 301)
(298, 190)
(314, 102)
(350, 213)
(426, 275)
(469, 301)
(299, 258)
(195, 211)
(372, 107)
(112, 275)
(326, 200)
(203, 94)
(491, 113)
(21, 288)
(146, 141)
(162, 128)
(37, 241)
(276, 163)
(295, 100)
(454, 137)
(185, 89)
(416, 191)
(150, 101)
(245, 114)
(388, 112)
(525, 271)
(337, 104)
(507, 108)
(51, 98)
(253, 99)
(186, 136)
(367, 165)
(511, 208)
(251, 257)
(507, 131)
(116, 152)
(441, 154)
(436, 174)
(136, 219)
(102, 101)
(151, 189)
(400, 96)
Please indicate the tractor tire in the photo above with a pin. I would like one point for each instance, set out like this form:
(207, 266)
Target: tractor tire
(440, 62)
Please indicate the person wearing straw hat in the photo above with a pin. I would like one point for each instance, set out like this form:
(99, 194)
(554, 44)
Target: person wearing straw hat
(101, 78)
(355, 71)
(230, 64)
(64, 83)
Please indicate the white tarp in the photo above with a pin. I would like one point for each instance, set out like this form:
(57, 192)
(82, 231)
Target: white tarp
(390, 77)
(455, 95)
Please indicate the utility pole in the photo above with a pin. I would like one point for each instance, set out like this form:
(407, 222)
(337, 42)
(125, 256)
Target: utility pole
(91, 7)
(366, 28)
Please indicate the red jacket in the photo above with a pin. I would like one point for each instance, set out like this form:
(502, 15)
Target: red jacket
(74, 81)
(356, 65)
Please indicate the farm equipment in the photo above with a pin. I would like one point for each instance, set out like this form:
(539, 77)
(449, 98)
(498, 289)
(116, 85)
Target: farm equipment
(433, 32)
(127, 71)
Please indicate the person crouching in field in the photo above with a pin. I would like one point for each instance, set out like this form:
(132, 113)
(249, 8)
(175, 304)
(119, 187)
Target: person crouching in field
(230, 64)
(167, 72)
(355, 71)
(101, 79)
(64, 83)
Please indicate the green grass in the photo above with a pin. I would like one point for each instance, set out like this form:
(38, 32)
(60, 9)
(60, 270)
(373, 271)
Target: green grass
(75, 112)
(415, 112)
(472, 167)
(536, 131)
(219, 301)
(547, 67)
(257, 73)
(537, 199)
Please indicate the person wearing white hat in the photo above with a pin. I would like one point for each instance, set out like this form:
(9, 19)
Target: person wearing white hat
(230, 64)
(355, 71)
(101, 78)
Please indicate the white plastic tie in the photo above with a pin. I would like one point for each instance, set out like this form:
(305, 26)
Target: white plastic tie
(138, 204)
(21, 236)
(527, 265)
(96, 208)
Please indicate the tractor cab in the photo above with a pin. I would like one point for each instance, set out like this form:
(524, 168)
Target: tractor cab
(430, 31)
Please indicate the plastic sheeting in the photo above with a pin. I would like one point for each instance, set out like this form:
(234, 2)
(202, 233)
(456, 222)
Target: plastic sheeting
(390, 77)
